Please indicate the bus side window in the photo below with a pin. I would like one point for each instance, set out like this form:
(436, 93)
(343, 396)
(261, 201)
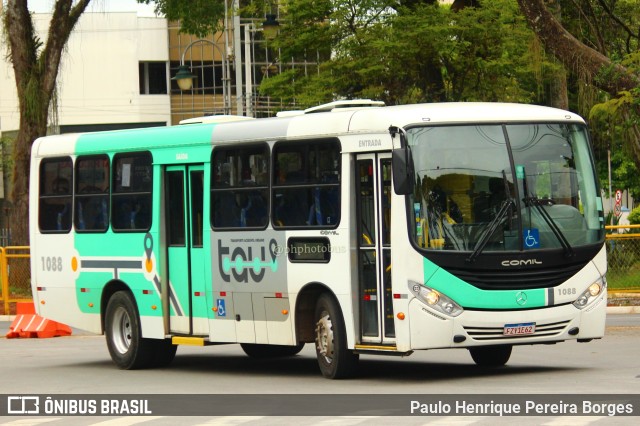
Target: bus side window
(92, 194)
(132, 184)
(55, 205)
(239, 187)
(306, 184)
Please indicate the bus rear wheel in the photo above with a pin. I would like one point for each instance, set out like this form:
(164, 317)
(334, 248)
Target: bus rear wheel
(124, 338)
(491, 356)
(336, 361)
(270, 351)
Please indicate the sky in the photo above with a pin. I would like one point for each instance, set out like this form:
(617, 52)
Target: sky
(45, 6)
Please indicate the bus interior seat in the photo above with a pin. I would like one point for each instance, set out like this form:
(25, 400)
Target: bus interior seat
(292, 208)
(226, 213)
(325, 207)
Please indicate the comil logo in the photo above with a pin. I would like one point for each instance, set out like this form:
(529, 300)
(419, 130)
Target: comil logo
(23, 405)
(521, 262)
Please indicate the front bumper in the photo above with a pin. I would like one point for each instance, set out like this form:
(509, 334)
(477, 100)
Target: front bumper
(431, 329)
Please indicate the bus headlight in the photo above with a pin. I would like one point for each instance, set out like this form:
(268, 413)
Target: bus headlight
(591, 293)
(435, 299)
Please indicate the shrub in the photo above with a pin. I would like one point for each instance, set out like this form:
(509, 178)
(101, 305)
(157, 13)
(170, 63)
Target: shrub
(634, 216)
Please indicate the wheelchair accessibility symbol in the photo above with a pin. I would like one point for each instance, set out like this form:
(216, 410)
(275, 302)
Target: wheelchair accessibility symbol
(531, 238)
(222, 312)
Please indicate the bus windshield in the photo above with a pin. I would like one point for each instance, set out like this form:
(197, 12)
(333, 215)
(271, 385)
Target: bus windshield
(506, 187)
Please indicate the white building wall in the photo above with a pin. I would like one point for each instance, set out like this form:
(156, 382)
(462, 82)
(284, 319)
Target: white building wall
(98, 81)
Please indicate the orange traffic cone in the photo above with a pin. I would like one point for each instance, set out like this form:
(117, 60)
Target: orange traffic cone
(28, 324)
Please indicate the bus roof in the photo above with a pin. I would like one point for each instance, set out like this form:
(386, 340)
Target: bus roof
(339, 121)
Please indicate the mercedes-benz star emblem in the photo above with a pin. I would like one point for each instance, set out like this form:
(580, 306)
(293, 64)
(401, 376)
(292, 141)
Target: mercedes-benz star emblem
(521, 298)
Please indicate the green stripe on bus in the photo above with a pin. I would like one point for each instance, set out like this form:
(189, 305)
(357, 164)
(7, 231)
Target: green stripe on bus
(469, 296)
(179, 137)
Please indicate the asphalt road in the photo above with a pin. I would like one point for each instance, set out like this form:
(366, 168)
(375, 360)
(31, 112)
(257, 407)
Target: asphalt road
(79, 365)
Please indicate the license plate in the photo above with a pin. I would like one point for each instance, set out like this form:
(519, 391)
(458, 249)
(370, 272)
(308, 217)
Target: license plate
(519, 329)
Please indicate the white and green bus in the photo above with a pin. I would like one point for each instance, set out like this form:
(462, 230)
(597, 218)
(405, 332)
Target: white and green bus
(368, 230)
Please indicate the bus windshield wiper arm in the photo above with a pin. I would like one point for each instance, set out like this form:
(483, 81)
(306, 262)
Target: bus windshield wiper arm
(536, 202)
(491, 228)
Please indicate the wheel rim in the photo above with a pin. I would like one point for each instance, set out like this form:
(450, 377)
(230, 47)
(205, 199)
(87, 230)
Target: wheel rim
(121, 330)
(324, 337)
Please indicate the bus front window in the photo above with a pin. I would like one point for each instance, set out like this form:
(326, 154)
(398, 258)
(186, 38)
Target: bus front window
(463, 177)
(556, 181)
(470, 197)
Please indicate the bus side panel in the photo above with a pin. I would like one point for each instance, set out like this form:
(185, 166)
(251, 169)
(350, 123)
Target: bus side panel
(407, 265)
(278, 321)
(128, 258)
(222, 327)
(57, 296)
(243, 264)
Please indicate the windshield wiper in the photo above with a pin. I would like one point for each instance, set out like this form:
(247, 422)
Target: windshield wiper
(505, 208)
(537, 203)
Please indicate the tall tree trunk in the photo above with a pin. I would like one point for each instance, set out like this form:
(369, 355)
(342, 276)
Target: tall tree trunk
(575, 55)
(36, 70)
(558, 96)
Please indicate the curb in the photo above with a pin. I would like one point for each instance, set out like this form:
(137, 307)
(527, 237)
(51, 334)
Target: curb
(615, 310)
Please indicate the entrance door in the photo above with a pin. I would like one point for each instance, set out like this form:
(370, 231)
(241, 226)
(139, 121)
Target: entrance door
(373, 198)
(184, 216)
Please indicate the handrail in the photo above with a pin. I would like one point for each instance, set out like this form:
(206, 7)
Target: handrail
(622, 226)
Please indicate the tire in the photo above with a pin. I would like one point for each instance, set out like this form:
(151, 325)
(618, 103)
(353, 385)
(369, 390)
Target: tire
(270, 351)
(163, 352)
(491, 356)
(336, 361)
(124, 338)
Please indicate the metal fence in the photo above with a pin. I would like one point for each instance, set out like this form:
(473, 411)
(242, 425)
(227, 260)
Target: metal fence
(15, 276)
(623, 257)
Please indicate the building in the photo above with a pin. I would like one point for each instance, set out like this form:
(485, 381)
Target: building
(113, 74)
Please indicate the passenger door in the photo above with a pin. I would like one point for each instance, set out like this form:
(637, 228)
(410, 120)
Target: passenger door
(373, 200)
(184, 217)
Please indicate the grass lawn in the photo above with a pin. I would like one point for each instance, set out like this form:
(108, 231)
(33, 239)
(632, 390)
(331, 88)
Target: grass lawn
(623, 281)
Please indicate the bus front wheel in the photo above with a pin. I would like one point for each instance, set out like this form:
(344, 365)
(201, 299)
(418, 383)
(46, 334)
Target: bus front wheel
(336, 361)
(122, 330)
(491, 356)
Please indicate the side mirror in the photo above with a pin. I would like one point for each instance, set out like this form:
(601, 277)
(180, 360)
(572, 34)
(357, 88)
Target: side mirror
(403, 173)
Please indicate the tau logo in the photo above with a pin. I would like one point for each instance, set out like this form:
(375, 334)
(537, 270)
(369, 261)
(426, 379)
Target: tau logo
(526, 262)
(241, 264)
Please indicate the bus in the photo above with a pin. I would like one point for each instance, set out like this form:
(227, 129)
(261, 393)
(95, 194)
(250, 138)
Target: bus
(360, 230)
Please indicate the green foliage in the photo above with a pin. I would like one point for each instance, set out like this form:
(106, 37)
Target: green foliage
(420, 54)
(622, 255)
(624, 172)
(305, 30)
(6, 158)
(634, 216)
(198, 17)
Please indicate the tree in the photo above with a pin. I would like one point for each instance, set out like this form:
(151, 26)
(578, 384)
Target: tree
(575, 55)
(411, 51)
(598, 34)
(198, 17)
(36, 70)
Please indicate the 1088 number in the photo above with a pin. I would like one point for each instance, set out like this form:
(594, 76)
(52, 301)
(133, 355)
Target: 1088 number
(566, 291)
(52, 263)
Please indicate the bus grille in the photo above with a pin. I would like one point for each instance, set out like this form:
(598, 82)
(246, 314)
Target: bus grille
(517, 280)
(496, 333)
